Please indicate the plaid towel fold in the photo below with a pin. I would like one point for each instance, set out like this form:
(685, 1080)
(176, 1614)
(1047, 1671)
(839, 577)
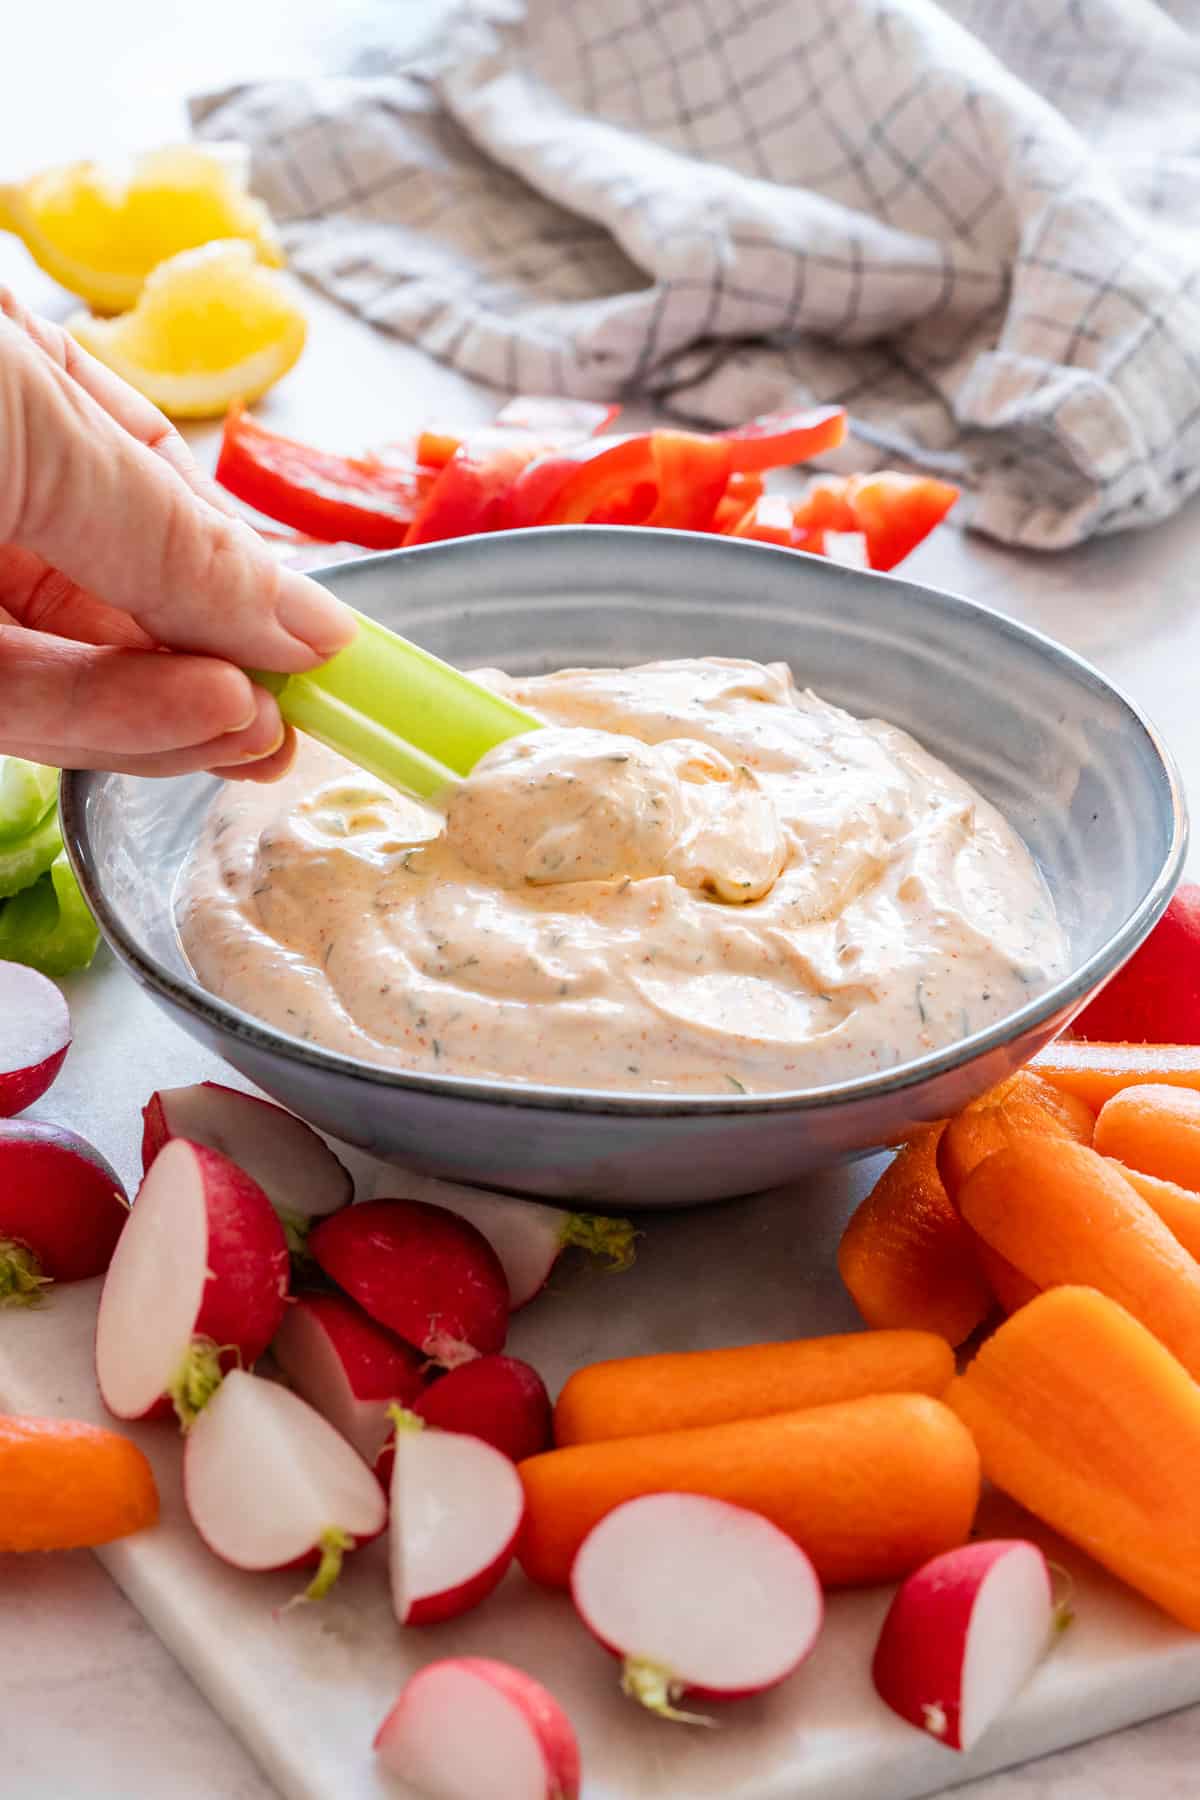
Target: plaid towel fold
(976, 225)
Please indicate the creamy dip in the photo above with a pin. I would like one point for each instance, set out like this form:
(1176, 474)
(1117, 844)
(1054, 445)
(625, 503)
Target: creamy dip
(696, 879)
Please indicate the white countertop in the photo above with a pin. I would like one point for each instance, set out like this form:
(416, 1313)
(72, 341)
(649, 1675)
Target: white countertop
(93, 1708)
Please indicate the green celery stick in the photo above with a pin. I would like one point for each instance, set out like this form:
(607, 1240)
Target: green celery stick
(48, 925)
(23, 859)
(398, 712)
(27, 792)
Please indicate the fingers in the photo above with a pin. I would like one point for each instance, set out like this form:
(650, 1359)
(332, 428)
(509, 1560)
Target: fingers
(101, 706)
(80, 491)
(40, 598)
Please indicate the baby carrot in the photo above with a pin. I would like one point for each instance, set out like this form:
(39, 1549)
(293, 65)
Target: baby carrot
(65, 1485)
(1012, 1289)
(1155, 1128)
(906, 1257)
(1095, 1072)
(1083, 1417)
(638, 1396)
(1064, 1214)
(1177, 1207)
(1022, 1104)
(870, 1488)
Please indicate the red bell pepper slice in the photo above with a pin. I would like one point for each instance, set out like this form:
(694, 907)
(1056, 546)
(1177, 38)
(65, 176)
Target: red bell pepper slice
(338, 499)
(778, 439)
(545, 414)
(470, 493)
(895, 512)
(768, 521)
(688, 471)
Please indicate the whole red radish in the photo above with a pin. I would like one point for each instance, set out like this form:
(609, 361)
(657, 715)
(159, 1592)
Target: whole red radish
(473, 1729)
(497, 1398)
(422, 1272)
(35, 1035)
(294, 1167)
(528, 1236)
(347, 1367)
(699, 1599)
(456, 1508)
(269, 1484)
(1155, 997)
(962, 1637)
(62, 1209)
(197, 1283)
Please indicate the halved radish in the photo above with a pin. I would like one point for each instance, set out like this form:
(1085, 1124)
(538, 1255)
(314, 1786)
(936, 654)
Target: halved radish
(526, 1235)
(698, 1598)
(35, 1035)
(62, 1209)
(348, 1367)
(962, 1637)
(269, 1484)
(197, 1283)
(422, 1272)
(497, 1398)
(457, 1506)
(294, 1167)
(473, 1729)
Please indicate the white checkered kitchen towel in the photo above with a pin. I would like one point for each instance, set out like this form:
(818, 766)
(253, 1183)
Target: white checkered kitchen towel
(976, 224)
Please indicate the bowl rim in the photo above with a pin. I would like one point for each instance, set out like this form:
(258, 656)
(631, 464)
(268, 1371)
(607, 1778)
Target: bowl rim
(1063, 997)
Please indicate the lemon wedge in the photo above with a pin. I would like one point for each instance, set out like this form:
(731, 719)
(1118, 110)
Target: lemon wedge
(212, 326)
(99, 233)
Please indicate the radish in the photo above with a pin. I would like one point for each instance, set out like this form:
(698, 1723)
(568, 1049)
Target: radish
(269, 1484)
(347, 1367)
(699, 1598)
(962, 1637)
(457, 1506)
(35, 1035)
(472, 1729)
(198, 1281)
(420, 1271)
(62, 1209)
(295, 1168)
(497, 1398)
(528, 1237)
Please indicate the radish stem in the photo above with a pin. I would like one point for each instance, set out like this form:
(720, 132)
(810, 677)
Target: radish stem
(296, 1227)
(599, 1236)
(21, 1279)
(404, 1420)
(653, 1688)
(196, 1381)
(333, 1545)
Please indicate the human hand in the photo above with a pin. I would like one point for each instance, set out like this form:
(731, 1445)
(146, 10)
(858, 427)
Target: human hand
(115, 548)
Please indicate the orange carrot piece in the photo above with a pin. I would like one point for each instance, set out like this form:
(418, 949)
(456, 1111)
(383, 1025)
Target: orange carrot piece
(1023, 1103)
(66, 1485)
(1095, 1072)
(1155, 1128)
(638, 1396)
(1063, 1214)
(905, 1255)
(870, 1488)
(1177, 1207)
(1012, 1289)
(1082, 1416)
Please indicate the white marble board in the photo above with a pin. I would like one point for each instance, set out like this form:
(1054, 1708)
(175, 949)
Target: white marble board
(306, 1689)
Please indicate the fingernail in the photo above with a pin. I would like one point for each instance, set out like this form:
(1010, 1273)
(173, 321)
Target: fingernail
(313, 616)
(249, 756)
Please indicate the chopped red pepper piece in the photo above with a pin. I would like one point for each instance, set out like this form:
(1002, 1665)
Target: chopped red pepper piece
(894, 512)
(338, 499)
(544, 413)
(469, 494)
(688, 471)
(435, 448)
(778, 439)
(768, 521)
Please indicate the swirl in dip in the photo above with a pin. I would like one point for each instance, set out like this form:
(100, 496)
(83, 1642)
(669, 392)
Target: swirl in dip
(695, 878)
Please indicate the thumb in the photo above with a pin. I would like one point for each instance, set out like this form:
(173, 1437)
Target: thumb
(81, 492)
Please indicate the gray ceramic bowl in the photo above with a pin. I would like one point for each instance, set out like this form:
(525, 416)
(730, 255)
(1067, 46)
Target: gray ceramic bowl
(1070, 762)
